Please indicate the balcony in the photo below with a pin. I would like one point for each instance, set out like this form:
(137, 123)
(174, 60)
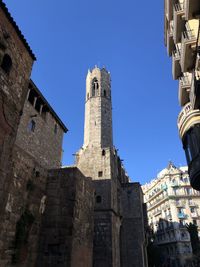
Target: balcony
(188, 47)
(184, 89)
(169, 228)
(195, 90)
(166, 206)
(169, 9)
(155, 193)
(187, 118)
(170, 41)
(157, 202)
(180, 204)
(168, 217)
(182, 226)
(182, 215)
(192, 204)
(194, 215)
(179, 22)
(175, 184)
(176, 68)
(192, 8)
(157, 212)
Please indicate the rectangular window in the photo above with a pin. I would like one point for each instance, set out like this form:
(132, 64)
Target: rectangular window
(182, 222)
(192, 210)
(188, 191)
(31, 126)
(100, 174)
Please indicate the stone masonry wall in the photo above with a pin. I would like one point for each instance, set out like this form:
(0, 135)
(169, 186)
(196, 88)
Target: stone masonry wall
(42, 143)
(133, 252)
(13, 90)
(67, 229)
(107, 222)
(23, 211)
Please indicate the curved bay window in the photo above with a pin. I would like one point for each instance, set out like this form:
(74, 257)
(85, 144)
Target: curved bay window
(95, 87)
(191, 145)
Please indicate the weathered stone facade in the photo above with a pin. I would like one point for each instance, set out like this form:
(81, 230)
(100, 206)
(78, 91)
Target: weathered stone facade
(67, 229)
(132, 227)
(80, 216)
(23, 211)
(44, 141)
(16, 61)
(46, 216)
(119, 230)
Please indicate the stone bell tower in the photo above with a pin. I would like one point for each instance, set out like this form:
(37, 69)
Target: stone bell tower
(98, 111)
(97, 159)
(118, 238)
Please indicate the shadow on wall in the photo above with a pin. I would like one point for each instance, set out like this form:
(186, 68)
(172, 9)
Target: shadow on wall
(173, 244)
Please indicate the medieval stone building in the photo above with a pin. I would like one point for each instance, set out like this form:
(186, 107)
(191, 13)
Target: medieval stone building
(118, 210)
(85, 215)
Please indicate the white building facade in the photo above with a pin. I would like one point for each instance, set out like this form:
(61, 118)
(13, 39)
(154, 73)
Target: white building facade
(172, 204)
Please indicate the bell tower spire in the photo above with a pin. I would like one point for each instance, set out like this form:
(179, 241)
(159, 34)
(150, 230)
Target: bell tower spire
(98, 109)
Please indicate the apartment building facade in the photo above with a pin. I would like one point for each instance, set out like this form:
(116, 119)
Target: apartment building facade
(181, 27)
(172, 204)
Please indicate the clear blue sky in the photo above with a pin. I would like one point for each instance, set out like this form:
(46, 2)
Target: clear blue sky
(68, 37)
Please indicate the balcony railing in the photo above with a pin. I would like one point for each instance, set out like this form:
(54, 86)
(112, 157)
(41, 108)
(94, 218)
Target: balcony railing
(176, 67)
(192, 204)
(182, 215)
(179, 7)
(195, 90)
(157, 212)
(185, 81)
(180, 204)
(178, 12)
(194, 215)
(154, 193)
(157, 202)
(188, 35)
(187, 118)
(184, 89)
(177, 53)
(188, 46)
(184, 112)
(175, 184)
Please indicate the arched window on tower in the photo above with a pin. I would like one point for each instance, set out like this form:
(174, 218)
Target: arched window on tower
(104, 93)
(95, 87)
(6, 63)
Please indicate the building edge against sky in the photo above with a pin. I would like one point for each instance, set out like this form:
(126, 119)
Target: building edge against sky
(182, 40)
(47, 213)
